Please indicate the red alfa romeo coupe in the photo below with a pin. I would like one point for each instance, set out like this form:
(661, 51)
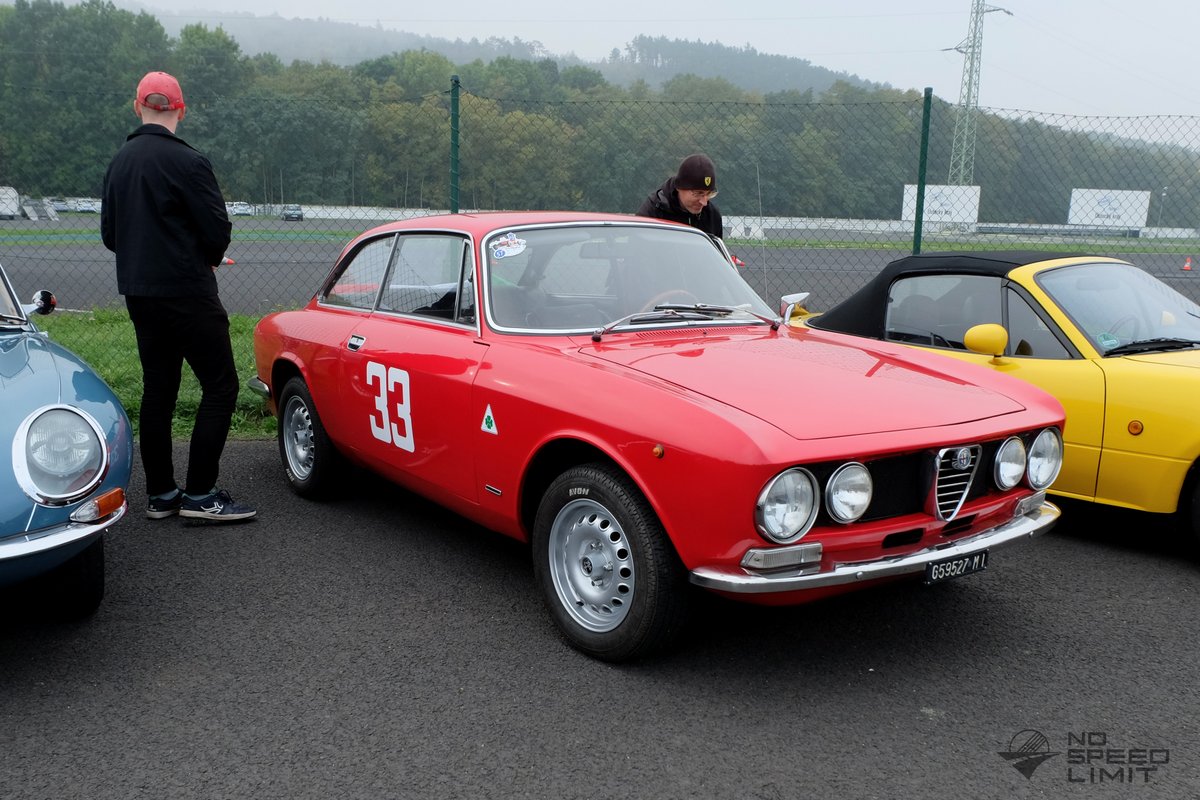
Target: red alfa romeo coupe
(609, 389)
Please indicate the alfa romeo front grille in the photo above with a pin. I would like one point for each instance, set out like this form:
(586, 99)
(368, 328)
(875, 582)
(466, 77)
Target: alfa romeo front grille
(955, 470)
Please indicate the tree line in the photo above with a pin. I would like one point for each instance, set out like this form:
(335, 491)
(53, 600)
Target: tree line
(534, 134)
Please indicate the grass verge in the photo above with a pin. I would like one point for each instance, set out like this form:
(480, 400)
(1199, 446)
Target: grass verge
(104, 338)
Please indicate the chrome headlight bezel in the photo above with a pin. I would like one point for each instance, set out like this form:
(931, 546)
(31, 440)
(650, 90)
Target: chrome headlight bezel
(839, 482)
(1045, 459)
(1011, 463)
(794, 486)
(72, 482)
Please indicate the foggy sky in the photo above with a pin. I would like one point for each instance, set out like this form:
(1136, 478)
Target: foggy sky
(1079, 57)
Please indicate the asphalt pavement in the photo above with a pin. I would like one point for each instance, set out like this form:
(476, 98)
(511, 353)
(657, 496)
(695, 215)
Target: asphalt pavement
(377, 646)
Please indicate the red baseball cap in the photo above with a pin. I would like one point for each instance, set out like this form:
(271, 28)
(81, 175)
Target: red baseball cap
(164, 85)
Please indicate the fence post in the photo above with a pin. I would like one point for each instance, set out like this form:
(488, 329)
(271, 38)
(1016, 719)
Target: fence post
(919, 218)
(454, 88)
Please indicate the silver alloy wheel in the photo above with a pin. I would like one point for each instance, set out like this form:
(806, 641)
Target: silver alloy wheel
(297, 430)
(592, 565)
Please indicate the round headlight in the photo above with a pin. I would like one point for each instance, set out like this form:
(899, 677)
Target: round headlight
(787, 506)
(59, 455)
(1045, 458)
(849, 492)
(1010, 463)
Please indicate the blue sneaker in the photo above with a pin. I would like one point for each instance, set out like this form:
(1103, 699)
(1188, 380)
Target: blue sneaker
(161, 508)
(218, 507)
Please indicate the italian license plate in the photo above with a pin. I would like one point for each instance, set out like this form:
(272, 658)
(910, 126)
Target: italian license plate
(938, 571)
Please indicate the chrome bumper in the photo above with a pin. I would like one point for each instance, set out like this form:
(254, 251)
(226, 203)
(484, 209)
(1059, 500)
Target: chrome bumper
(739, 580)
(54, 538)
(259, 388)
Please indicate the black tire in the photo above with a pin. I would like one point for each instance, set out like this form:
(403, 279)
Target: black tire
(73, 590)
(1187, 515)
(608, 573)
(310, 461)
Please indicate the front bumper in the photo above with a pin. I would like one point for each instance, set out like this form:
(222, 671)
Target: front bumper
(740, 580)
(25, 556)
(260, 388)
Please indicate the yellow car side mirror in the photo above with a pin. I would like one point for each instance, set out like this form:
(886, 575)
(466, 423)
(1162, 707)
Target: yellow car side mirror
(988, 339)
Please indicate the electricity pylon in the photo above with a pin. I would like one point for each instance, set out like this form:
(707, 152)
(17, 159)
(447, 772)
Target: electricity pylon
(962, 151)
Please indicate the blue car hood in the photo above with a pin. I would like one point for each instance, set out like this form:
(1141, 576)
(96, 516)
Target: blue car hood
(36, 372)
(30, 372)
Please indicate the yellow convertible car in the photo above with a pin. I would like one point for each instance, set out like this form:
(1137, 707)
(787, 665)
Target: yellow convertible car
(1118, 347)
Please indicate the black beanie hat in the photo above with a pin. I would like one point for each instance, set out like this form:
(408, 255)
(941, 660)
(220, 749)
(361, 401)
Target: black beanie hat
(697, 172)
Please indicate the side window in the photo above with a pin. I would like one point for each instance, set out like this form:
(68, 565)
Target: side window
(425, 275)
(1028, 334)
(937, 310)
(361, 275)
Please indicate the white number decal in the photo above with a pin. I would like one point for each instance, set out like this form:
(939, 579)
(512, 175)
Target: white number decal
(391, 381)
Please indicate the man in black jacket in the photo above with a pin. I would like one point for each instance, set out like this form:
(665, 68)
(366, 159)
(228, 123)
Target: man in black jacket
(687, 197)
(164, 217)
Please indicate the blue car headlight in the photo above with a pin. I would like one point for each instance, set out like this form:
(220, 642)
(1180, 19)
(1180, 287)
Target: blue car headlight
(59, 455)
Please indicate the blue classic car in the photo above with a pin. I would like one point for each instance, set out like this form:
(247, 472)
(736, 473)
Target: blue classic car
(71, 451)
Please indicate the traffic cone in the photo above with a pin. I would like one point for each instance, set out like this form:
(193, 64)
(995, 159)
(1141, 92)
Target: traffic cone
(1187, 264)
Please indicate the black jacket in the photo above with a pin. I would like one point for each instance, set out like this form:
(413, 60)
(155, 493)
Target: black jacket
(164, 217)
(663, 203)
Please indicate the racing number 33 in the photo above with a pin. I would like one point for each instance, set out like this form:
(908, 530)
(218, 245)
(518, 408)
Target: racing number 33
(393, 422)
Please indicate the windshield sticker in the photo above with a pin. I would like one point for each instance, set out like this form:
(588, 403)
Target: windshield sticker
(489, 422)
(1107, 341)
(507, 246)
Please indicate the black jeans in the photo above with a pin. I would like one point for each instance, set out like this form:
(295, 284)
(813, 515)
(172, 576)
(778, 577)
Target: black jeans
(171, 330)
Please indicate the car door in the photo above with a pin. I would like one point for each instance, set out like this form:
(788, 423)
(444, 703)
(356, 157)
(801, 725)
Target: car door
(408, 368)
(1037, 351)
(346, 301)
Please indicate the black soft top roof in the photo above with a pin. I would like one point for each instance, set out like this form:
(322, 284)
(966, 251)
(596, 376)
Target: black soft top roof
(862, 313)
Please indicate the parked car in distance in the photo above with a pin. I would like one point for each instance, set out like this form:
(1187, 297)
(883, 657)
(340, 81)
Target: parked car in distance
(87, 205)
(71, 451)
(292, 212)
(611, 390)
(1119, 347)
(240, 208)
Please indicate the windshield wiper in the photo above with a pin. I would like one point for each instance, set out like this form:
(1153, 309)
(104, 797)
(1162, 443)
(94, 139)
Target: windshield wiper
(658, 314)
(720, 311)
(1149, 345)
(12, 318)
(681, 311)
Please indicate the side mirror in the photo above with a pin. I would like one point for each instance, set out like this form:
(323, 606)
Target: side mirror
(988, 339)
(43, 302)
(790, 303)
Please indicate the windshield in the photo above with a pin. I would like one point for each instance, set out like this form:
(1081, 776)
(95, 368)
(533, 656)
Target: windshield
(583, 277)
(9, 307)
(1117, 304)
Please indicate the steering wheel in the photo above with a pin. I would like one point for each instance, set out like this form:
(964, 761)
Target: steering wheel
(905, 331)
(683, 295)
(1129, 321)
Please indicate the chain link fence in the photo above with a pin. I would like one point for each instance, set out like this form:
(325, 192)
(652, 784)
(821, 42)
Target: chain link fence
(817, 196)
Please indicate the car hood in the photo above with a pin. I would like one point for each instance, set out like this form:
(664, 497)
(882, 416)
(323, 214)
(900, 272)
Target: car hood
(36, 372)
(810, 384)
(1169, 358)
(29, 370)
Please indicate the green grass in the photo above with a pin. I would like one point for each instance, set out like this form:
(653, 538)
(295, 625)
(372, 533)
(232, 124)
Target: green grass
(105, 339)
